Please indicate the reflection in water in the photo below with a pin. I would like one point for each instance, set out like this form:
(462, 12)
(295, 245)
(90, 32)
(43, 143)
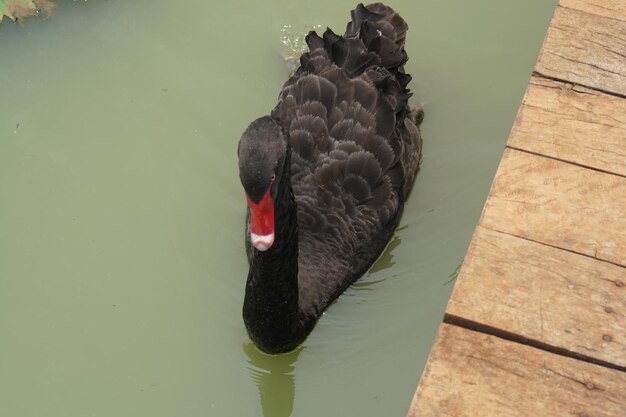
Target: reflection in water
(274, 378)
(386, 259)
(452, 277)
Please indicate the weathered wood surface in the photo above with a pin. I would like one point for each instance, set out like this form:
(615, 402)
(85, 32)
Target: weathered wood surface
(546, 268)
(544, 294)
(472, 374)
(572, 123)
(587, 48)
(559, 204)
(614, 9)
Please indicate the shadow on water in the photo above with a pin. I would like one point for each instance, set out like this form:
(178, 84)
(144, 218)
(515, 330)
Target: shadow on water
(274, 378)
(386, 258)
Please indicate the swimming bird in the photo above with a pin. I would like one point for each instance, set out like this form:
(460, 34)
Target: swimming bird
(326, 175)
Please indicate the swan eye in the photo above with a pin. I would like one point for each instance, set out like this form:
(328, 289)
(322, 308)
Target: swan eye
(273, 177)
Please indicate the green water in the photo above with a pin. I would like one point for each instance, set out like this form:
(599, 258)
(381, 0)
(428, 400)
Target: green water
(122, 266)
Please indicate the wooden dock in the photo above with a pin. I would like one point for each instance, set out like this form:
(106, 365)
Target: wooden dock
(536, 324)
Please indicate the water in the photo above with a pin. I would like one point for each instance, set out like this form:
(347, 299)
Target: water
(121, 248)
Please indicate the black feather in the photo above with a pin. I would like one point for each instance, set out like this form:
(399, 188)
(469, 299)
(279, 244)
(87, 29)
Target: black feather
(352, 153)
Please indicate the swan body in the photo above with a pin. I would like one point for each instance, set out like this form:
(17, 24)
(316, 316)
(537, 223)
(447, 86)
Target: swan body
(326, 175)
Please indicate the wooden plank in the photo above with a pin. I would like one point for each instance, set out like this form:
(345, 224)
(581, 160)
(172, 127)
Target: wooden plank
(585, 49)
(545, 294)
(472, 374)
(613, 9)
(572, 123)
(547, 264)
(559, 204)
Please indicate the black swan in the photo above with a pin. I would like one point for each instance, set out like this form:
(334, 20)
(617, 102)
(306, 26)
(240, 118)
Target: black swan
(326, 175)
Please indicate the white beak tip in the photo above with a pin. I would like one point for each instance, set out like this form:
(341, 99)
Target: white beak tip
(262, 242)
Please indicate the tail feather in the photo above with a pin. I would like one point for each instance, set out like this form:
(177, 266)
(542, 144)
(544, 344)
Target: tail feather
(372, 50)
(374, 37)
(382, 31)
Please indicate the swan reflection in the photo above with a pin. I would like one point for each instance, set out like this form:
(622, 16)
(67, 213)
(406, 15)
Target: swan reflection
(275, 379)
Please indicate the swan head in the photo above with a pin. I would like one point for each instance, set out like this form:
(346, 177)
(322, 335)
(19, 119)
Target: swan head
(262, 155)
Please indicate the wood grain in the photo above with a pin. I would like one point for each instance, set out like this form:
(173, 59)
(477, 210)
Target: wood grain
(559, 204)
(572, 123)
(470, 374)
(613, 9)
(552, 296)
(547, 264)
(585, 49)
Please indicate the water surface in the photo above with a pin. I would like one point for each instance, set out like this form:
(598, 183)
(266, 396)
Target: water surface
(121, 247)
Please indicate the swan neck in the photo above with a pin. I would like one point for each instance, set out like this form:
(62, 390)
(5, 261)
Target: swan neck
(270, 311)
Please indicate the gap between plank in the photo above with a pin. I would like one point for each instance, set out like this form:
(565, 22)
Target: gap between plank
(516, 338)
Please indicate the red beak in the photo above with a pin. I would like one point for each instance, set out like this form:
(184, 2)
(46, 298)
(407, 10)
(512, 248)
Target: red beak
(262, 222)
